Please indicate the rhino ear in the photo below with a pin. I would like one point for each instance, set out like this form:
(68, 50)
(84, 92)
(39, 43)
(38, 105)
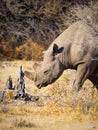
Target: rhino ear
(55, 49)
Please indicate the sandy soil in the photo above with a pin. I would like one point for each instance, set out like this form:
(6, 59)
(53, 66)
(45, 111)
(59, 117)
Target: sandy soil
(57, 108)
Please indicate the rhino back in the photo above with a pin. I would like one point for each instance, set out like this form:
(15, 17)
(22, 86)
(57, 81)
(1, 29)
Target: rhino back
(80, 44)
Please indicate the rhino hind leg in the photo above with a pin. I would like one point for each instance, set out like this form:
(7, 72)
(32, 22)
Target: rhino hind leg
(83, 73)
(94, 80)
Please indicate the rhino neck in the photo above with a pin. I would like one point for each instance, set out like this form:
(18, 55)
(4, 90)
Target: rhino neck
(65, 59)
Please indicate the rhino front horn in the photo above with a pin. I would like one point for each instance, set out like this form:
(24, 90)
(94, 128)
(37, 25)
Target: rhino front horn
(29, 75)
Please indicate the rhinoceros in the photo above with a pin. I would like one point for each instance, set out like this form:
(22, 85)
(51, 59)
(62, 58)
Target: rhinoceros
(75, 48)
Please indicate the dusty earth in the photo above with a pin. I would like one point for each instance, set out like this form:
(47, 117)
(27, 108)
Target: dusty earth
(58, 107)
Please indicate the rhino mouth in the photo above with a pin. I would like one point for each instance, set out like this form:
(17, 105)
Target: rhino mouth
(39, 86)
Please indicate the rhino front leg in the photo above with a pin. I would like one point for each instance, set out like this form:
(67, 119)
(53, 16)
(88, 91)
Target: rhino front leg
(83, 72)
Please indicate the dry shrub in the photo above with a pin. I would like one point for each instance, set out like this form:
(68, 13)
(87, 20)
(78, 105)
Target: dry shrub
(4, 51)
(88, 14)
(29, 50)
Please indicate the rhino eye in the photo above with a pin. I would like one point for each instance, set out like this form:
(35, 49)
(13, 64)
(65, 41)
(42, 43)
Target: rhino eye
(46, 72)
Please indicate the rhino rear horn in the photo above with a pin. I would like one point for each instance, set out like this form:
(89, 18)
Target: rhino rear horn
(29, 75)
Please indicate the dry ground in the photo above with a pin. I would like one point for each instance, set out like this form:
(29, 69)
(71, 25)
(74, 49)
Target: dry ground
(58, 107)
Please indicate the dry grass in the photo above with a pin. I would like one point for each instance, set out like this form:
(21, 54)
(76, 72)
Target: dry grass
(57, 105)
(23, 123)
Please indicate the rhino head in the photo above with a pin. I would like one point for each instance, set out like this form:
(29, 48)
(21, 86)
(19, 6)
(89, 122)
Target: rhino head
(49, 69)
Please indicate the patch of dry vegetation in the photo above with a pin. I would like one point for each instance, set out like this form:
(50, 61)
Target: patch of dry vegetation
(29, 50)
(23, 123)
(57, 101)
(41, 21)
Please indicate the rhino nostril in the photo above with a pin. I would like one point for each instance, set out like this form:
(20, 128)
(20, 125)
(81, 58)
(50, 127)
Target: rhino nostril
(38, 85)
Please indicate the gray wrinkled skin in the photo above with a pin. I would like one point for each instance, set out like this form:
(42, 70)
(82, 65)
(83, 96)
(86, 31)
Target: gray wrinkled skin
(76, 48)
(48, 71)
